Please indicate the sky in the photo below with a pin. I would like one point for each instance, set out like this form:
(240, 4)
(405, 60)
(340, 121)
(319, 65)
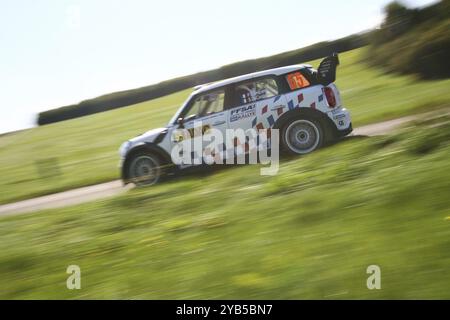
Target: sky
(59, 52)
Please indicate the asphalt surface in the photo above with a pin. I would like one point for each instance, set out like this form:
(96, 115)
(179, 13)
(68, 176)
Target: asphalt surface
(112, 188)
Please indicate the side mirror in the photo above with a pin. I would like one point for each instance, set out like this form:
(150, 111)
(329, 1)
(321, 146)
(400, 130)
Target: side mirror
(180, 122)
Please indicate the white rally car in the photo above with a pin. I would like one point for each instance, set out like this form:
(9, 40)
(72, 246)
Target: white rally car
(303, 103)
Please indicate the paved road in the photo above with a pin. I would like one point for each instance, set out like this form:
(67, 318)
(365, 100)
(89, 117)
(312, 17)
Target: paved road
(108, 189)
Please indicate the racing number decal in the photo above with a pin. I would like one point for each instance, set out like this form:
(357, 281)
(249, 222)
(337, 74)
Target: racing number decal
(191, 133)
(195, 132)
(297, 81)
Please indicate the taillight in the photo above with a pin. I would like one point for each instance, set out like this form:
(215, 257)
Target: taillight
(329, 94)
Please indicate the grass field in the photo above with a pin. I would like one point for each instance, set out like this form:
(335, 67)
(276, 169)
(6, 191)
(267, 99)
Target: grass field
(309, 232)
(83, 151)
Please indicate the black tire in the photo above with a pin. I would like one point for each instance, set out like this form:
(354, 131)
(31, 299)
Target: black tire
(302, 135)
(144, 169)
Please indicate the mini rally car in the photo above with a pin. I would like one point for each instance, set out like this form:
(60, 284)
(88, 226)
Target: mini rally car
(302, 103)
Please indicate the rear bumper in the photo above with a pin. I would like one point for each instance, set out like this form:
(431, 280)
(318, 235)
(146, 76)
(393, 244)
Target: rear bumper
(342, 121)
(343, 133)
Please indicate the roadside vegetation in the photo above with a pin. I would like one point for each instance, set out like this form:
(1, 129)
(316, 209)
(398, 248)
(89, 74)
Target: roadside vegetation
(83, 151)
(413, 41)
(309, 232)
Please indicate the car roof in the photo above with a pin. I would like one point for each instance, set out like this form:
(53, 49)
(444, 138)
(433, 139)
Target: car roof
(275, 71)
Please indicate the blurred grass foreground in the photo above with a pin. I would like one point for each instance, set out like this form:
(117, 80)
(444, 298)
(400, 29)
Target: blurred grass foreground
(309, 232)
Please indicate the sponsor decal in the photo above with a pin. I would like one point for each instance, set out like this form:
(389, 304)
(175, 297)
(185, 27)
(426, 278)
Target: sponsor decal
(242, 112)
(339, 116)
(336, 111)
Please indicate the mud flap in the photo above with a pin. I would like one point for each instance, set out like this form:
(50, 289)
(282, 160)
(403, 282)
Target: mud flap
(326, 73)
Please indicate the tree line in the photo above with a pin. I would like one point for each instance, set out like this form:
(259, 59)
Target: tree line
(128, 97)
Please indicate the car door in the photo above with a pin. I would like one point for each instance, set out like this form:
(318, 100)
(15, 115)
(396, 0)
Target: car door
(259, 104)
(205, 112)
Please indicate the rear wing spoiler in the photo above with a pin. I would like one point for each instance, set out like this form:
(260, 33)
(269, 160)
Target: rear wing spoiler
(326, 73)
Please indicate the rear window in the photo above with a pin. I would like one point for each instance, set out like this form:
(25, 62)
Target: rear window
(301, 79)
(297, 80)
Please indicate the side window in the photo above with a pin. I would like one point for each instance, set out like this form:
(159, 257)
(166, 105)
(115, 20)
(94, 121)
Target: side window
(297, 80)
(195, 108)
(256, 90)
(214, 102)
(267, 88)
(206, 104)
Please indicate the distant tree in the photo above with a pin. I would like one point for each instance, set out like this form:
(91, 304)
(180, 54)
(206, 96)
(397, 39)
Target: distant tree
(398, 20)
(413, 41)
(429, 57)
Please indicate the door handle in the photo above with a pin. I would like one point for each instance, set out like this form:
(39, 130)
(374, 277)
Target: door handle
(277, 107)
(218, 123)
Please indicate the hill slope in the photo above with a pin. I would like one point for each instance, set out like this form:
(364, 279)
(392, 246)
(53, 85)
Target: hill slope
(309, 232)
(83, 151)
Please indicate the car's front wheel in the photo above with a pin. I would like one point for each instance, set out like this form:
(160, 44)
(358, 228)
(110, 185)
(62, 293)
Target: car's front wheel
(301, 136)
(144, 169)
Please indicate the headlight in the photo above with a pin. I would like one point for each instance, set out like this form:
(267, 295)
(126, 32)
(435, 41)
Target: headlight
(124, 148)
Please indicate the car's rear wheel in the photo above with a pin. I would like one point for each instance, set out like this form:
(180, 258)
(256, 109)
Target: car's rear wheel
(302, 136)
(144, 169)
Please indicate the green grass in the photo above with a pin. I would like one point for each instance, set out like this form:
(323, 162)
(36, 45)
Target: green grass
(83, 151)
(308, 232)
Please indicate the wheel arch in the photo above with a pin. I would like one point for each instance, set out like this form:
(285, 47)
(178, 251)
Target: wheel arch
(308, 114)
(148, 147)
